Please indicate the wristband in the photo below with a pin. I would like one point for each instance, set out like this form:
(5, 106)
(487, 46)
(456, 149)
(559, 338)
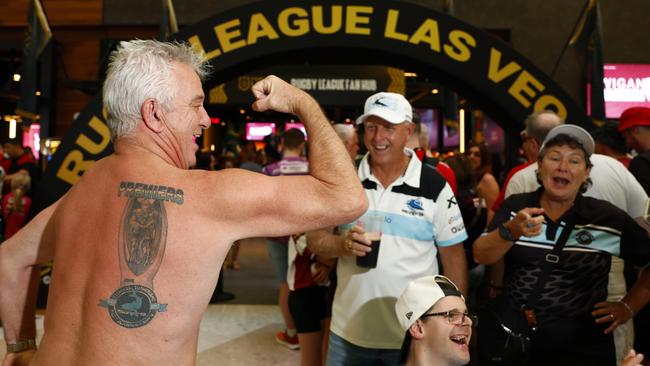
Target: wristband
(505, 234)
(628, 307)
(21, 345)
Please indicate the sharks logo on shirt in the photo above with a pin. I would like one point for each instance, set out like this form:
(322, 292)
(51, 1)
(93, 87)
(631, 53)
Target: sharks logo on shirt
(584, 237)
(414, 207)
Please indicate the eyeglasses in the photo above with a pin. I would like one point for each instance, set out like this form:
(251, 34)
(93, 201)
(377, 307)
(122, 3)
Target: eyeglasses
(453, 317)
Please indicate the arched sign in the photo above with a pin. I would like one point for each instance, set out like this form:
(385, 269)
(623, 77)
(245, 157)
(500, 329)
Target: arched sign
(392, 33)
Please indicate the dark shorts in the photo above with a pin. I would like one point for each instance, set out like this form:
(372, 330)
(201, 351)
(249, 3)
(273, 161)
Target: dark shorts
(308, 307)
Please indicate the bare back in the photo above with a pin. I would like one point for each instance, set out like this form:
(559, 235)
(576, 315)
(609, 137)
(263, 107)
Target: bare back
(140, 266)
(139, 241)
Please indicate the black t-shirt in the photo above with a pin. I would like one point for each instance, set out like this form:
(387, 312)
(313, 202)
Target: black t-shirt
(580, 279)
(640, 168)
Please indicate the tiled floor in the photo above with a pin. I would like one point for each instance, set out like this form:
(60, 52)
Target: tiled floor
(243, 335)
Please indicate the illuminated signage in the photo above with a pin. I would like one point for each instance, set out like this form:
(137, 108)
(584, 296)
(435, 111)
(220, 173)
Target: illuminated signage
(256, 131)
(626, 85)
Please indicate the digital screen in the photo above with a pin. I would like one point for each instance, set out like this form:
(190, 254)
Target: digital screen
(32, 139)
(256, 131)
(300, 126)
(626, 85)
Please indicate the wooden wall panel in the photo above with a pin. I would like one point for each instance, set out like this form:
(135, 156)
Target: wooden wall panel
(59, 12)
(78, 60)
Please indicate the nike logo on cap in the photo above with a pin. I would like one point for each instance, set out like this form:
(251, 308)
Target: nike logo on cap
(378, 101)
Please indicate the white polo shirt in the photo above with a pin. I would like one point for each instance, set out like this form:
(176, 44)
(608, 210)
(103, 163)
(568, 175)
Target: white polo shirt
(363, 312)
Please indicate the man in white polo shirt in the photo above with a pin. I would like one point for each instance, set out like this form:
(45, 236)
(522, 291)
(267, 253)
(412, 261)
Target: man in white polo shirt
(421, 221)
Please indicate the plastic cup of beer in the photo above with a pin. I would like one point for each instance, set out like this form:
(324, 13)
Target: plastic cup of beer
(373, 225)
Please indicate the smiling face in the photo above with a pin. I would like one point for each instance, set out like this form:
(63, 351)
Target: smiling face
(187, 118)
(448, 343)
(563, 169)
(386, 141)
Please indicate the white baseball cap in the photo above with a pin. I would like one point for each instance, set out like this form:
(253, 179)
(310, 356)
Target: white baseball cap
(391, 107)
(420, 295)
(576, 132)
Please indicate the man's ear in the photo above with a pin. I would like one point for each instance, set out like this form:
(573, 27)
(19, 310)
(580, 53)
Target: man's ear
(417, 330)
(410, 127)
(536, 144)
(152, 115)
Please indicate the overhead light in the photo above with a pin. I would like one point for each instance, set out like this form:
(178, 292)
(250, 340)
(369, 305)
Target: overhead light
(16, 77)
(461, 130)
(434, 91)
(38, 93)
(212, 147)
(410, 75)
(12, 128)
(242, 111)
(347, 120)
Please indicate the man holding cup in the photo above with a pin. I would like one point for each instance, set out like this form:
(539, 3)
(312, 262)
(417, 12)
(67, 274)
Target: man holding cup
(419, 219)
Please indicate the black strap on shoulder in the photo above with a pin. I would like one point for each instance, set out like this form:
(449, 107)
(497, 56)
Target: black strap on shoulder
(550, 261)
(431, 182)
(430, 160)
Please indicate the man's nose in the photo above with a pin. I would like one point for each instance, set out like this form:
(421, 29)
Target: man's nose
(205, 121)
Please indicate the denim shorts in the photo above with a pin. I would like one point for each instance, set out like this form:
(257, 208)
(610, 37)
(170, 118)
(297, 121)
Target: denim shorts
(343, 353)
(279, 253)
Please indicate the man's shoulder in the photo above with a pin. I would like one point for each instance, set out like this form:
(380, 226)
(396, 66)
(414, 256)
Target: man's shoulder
(525, 173)
(519, 168)
(432, 182)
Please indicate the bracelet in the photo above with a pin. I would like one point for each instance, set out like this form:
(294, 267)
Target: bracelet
(628, 307)
(21, 345)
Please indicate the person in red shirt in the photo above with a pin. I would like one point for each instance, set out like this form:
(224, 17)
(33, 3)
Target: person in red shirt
(21, 162)
(15, 205)
(611, 143)
(5, 161)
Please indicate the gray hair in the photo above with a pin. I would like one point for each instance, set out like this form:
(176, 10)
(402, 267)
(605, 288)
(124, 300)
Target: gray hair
(344, 131)
(539, 124)
(143, 69)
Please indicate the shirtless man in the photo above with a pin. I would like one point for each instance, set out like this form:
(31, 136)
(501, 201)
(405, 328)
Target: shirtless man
(139, 241)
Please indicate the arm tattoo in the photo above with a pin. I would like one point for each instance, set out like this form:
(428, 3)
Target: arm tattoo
(141, 247)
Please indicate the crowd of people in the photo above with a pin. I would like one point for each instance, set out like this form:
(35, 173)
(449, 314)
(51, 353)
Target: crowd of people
(18, 174)
(563, 239)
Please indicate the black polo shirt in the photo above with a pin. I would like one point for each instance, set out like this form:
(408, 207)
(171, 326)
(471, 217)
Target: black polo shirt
(580, 278)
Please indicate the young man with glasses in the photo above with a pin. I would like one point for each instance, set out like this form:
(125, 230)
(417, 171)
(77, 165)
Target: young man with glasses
(432, 312)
